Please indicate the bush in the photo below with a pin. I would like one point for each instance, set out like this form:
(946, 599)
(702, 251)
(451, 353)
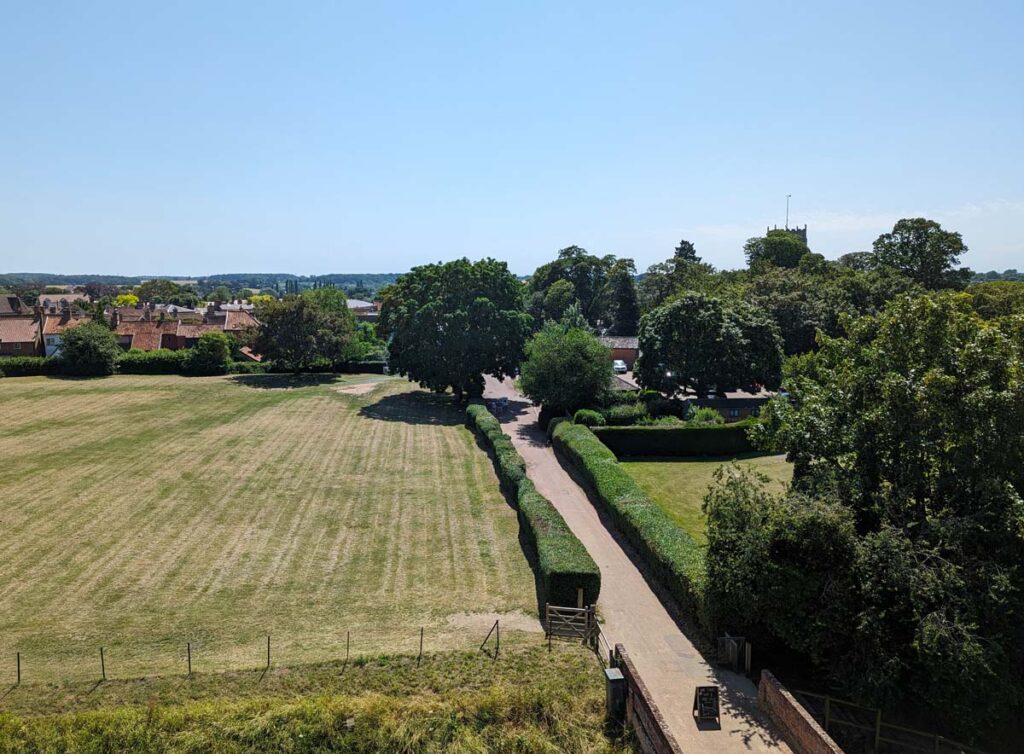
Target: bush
(161, 361)
(564, 563)
(588, 418)
(89, 350)
(210, 355)
(674, 558)
(703, 416)
(660, 440)
(625, 413)
(26, 366)
(247, 367)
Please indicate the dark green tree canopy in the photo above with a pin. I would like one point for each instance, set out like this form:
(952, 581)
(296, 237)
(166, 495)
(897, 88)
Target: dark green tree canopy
(297, 334)
(210, 355)
(449, 324)
(623, 305)
(700, 343)
(161, 291)
(566, 368)
(923, 251)
(778, 248)
(587, 273)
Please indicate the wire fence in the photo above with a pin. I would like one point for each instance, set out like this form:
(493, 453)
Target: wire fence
(122, 660)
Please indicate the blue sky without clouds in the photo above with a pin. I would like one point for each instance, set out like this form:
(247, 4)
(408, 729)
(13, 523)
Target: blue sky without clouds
(194, 138)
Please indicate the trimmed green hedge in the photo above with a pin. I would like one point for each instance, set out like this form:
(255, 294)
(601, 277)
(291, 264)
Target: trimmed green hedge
(711, 440)
(160, 361)
(26, 366)
(674, 558)
(565, 565)
(588, 418)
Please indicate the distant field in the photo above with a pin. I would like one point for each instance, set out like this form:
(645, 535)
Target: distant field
(140, 513)
(678, 485)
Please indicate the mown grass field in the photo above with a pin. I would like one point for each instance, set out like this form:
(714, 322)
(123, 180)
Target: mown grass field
(678, 485)
(143, 512)
(525, 700)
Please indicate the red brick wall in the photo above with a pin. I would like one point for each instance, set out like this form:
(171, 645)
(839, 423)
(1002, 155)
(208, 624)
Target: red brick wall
(27, 349)
(800, 730)
(628, 355)
(642, 713)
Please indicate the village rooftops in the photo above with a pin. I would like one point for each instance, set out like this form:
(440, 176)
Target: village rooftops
(12, 306)
(18, 329)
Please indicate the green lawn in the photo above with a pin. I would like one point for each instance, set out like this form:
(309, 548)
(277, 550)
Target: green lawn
(678, 485)
(143, 512)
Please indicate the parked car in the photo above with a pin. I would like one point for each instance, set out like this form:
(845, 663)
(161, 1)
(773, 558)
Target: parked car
(619, 366)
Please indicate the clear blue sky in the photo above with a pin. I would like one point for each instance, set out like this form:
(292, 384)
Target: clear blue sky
(194, 138)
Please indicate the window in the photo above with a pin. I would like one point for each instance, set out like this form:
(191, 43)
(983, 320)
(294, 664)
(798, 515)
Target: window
(17, 346)
(734, 413)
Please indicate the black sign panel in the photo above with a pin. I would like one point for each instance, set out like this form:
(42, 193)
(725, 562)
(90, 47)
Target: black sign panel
(705, 703)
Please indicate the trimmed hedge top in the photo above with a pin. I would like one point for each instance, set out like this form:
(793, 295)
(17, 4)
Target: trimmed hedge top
(673, 556)
(707, 440)
(564, 563)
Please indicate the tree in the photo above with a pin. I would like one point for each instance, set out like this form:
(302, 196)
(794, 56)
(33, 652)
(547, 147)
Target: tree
(297, 334)
(623, 306)
(924, 252)
(558, 298)
(997, 298)
(912, 423)
(160, 291)
(89, 350)
(449, 324)
(684, 271)
(686, 252)
(699, 343)
(126, 299)
(210, 355)
(565, 369)
(587, 273)
(221, 293)
(778, 248)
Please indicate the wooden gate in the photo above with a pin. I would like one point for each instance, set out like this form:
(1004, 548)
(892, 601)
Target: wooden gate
(571, 623)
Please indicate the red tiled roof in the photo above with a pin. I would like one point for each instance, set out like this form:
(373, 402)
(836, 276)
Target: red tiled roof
(146, 336)
(19, 330)
(250, 354)
(239, 321)
(194, 331)
(54, 324)
(12, 305)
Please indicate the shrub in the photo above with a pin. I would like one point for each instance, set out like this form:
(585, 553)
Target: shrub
(564, 368)
(677, 440)
(89, 350)
(588, 418)
(674, 558)
(26, 366)
(247, 367)
(563, 561)
(703, 416)
(161, 361)
(210, 355)
(625, 413)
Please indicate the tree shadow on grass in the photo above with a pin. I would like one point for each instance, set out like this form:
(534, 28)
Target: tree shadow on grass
(419, 407)
(285, 381)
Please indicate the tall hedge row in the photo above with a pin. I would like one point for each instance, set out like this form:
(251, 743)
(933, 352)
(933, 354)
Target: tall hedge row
(27, 366)
(710, 440)
(565, 565)
(674, 558)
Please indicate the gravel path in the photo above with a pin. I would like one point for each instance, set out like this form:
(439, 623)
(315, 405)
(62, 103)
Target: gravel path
(669, 663)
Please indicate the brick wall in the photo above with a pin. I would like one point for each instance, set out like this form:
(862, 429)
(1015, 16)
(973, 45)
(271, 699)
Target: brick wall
(800, 730)
(642, 713)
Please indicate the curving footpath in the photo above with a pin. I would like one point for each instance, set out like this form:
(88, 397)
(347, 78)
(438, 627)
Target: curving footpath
(632, 614)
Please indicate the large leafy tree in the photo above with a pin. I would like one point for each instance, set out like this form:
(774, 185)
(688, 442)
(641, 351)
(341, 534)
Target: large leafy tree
(588, 275)
(777, 248)
(922, 250)
(566, 368)
(297, 334)
(700, 343)
(623, 305)
(89, 350)
(449, 324)
(159, 291)
(913, 423)
(684, 271)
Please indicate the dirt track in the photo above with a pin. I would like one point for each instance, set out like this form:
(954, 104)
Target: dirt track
(668, 661)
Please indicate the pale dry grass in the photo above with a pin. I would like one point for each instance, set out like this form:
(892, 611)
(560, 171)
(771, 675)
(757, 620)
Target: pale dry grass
(141, 512)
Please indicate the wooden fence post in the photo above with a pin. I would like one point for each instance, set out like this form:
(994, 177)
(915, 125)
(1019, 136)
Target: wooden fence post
(103, 665)
(348, 642)
(188, 649)
(828, 711)
(19, 668)
(268, 650)
(497, 639)
(420, 655)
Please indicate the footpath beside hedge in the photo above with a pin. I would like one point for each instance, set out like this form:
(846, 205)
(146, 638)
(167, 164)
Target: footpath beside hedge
(565, 565)
(711, 440)
(672, 555)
